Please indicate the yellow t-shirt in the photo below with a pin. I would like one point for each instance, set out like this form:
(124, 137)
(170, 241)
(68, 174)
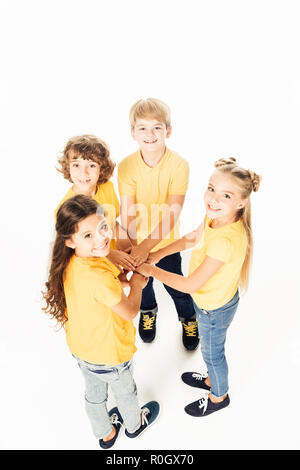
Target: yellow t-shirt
(94, 332)
(228, 244)
(106, 196)
(152, 188)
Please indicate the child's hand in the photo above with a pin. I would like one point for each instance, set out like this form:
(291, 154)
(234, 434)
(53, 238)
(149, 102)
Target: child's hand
(144, 269)
(123, 279)
(139, 254)
(153, 258)
(138, 280)
(122, 260)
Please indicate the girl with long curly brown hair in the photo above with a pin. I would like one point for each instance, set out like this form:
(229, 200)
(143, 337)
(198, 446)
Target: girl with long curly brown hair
(84, 294)
(220, 263)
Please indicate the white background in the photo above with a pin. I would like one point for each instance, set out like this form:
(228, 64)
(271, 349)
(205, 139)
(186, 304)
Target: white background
(230, 72)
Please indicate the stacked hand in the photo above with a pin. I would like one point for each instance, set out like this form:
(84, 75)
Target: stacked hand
(122, 260)
(139, 280)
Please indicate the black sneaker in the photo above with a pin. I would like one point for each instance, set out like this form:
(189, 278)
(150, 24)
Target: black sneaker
(149, 415)
(194, 379)
(116, 420)
(190, 336)
(147, 326)
(205, 406)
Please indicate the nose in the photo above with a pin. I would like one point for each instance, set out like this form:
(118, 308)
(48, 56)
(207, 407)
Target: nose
(149, 132)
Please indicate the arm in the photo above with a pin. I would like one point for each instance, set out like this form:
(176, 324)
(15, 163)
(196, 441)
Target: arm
(190, 284)
(123, 241)
(186, 242)
(166, 225)
(129, 306)
(128, 217)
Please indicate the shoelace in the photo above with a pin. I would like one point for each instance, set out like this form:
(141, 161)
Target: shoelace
(144, 413)
(190, 328)
(203, 403)
(114, 419)
(148, 322)
(199, 376)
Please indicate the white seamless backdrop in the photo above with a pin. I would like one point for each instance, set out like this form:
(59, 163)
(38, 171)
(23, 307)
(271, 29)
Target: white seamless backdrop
(230, 72)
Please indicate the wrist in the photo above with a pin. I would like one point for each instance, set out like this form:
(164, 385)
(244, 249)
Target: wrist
(147, 244)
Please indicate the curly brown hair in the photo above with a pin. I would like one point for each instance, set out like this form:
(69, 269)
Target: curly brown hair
(88, 147)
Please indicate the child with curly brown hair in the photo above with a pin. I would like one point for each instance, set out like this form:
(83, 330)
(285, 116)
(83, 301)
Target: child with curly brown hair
(86, 163)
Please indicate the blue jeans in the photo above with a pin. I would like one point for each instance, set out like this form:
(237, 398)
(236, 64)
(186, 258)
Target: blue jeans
(213, 326)
(97, 378)
(183, 302)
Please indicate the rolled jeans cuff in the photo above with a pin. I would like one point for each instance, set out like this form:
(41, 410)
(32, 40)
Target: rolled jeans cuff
(152, 310)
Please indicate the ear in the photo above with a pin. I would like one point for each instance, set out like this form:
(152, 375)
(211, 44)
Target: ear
(169, 132)
(70, 244)
(242, 204)
(132, 133)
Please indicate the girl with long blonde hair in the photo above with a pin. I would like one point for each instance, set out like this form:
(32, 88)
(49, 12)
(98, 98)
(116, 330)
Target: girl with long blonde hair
(219, 265)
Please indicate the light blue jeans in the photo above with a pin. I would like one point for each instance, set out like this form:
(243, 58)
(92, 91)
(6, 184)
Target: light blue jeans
(213, 326)
(120, 379)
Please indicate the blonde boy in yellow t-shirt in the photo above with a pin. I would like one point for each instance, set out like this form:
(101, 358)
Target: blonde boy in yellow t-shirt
(86, 163)
(152, 184)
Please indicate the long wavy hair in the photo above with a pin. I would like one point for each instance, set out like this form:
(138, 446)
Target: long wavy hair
(247, 181)
(69, 215)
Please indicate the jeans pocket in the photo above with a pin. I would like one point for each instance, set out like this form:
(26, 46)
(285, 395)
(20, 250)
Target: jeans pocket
(228, 313)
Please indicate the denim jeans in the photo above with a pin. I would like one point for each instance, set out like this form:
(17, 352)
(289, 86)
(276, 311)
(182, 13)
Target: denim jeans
(213, 326)
(183, 302)
(97, 378)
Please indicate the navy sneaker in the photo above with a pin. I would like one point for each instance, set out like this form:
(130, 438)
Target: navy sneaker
(116, 420)
(190, 336)
(149, 415)
(194, 379)
(147, 326)
(205, 406)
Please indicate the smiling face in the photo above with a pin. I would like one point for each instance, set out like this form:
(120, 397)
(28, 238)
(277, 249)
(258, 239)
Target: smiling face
(92, 237)
(150, 134)
(84, 174)
(222, 198)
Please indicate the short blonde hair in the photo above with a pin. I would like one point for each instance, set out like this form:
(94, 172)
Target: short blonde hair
(150, 108)
(88, 147)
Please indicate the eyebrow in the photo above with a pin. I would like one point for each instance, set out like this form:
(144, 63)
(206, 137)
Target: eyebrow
(155, 124)
(224, 191)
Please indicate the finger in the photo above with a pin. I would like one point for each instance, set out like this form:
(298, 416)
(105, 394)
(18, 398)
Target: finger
(128, 266)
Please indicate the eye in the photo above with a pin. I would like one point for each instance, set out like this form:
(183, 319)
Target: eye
(88, 235)
(210, 189)
(75, 165)
(227, 196)
(158, 128)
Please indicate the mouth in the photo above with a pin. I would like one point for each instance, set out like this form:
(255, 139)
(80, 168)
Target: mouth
(87, 181)
(150, 141)
(213, 209)
(102, 247)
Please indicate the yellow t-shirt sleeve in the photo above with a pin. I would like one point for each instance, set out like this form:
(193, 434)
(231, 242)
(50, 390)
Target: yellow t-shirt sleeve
(115, 201)
(180, 179)
(109, 291)
(127, 186)
(220, 248)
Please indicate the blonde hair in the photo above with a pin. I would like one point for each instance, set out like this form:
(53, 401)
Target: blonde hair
(150, 108)
(88, 147)
(248, 181)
